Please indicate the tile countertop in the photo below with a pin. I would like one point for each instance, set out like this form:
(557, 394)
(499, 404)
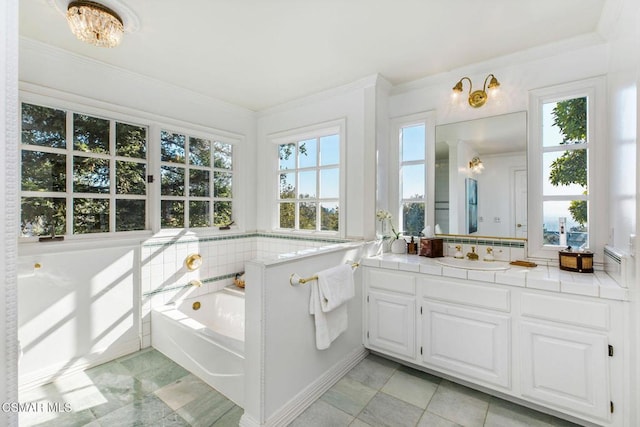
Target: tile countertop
(543, 277)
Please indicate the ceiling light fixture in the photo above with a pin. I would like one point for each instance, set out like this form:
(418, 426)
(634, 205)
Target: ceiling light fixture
(94, 23)
(477, 98)
(476, 165)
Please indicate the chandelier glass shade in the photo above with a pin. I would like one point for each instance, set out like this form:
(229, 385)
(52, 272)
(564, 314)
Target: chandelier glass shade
(95, 24)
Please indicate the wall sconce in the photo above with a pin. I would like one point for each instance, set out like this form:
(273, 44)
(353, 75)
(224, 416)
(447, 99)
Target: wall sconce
(476, 165)
(477, 98)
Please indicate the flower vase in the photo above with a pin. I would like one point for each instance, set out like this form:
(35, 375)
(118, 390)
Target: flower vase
(385, 229)
(398, 246)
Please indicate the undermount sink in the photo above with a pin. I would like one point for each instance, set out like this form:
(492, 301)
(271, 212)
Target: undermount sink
(473, 265)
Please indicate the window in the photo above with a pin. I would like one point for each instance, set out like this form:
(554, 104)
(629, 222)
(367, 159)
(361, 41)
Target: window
(196, 181)
(309, 182)
(563, 158)
(412, 145)
(565, 193)
(81, 174)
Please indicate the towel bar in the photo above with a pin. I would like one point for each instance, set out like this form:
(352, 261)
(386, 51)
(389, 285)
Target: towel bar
(295, 279)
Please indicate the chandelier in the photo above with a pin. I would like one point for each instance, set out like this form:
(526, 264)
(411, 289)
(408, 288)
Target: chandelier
(94, 23)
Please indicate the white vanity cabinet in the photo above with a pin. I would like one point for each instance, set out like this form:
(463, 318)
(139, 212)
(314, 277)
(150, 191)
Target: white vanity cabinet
(390, 316)
(551, 349)
(565, 355)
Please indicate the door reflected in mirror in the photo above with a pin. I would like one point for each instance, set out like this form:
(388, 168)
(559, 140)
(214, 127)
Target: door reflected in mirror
(492, 151)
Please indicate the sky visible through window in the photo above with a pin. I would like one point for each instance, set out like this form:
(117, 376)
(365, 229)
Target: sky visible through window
(413, 149)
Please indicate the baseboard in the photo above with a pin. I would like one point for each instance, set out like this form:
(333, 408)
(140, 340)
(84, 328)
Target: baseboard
(60, 370)
(296, 406)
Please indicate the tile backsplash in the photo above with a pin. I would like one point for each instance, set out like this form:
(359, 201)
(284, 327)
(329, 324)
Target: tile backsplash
(165, 278)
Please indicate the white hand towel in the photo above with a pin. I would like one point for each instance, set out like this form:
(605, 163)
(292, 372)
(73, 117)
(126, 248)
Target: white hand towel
(336, 286)
(328, 325)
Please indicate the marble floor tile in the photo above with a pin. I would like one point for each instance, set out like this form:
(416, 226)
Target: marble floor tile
(359, 423)
(205, 410)
(148, 389)
(322, 414)
(183, 391)
(459, 404)
(385, 410)
(144, 360)
(411, 387)
(374, 371)
(153, 379)
(349, 395)
(171, 420)
(231, 418)
(505, 414)
(432, 420)
(144, 412)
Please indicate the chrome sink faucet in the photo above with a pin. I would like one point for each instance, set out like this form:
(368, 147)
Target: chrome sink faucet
(472, 256)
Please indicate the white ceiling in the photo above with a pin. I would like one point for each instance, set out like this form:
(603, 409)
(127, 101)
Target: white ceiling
(260, 53)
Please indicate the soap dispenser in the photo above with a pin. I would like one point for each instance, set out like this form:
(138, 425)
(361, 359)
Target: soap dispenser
(412, 247)
(458, 253)
(489, 255)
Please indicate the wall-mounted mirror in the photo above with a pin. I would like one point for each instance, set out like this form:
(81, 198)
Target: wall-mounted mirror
(481, 177)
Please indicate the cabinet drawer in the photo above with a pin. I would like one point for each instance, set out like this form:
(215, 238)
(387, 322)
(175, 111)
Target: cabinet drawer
(589, 314)
(467, 294)
(392, 281)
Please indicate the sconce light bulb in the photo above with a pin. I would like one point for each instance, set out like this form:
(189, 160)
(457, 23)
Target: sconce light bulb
(493, 83)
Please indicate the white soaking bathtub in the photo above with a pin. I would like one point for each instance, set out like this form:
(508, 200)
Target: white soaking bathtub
(208, 341)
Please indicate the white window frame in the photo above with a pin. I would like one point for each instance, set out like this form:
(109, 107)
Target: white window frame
(300, 134)
(212, 198)
(37, 95)
(70, 152)
(427, 119)
(595, 91)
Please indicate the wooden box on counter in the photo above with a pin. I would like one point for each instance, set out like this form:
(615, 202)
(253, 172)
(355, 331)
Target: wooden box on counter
(431, 247)
(582, 262)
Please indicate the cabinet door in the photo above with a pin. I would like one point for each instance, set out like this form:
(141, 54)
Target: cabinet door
(565, 368)
(392, 323)
(471, 343)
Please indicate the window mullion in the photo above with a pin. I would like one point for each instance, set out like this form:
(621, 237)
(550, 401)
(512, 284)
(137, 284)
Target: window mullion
(112, 177)
(69, 170)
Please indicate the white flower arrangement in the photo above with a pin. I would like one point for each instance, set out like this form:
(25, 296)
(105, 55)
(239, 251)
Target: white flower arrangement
(383, 215)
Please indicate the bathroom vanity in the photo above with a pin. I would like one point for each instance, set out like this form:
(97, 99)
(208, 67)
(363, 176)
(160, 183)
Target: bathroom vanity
(539, 336)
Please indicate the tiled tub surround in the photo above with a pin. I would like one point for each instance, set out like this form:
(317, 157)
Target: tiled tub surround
(164, 277)
(544, 337)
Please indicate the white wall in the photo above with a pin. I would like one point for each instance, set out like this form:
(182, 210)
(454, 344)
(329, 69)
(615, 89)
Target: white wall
(496, 215)
(358, 104)
(284, 371)
(9, 211)
(80, 308)
(623, 30)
